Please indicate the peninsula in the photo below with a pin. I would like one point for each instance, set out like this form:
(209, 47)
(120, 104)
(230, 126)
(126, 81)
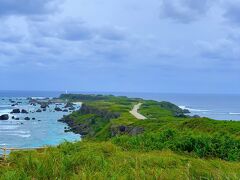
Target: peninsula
(133, 138)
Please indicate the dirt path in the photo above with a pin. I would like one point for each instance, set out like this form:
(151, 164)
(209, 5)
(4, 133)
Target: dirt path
(135, 113)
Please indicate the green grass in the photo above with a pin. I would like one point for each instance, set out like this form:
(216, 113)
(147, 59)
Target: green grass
(104, 160)
(172, 145)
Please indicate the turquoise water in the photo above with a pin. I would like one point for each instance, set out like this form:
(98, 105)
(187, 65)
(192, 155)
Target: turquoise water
(44, 130)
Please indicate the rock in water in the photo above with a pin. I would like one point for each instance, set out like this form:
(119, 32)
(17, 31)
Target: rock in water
(24, 111)
(15, 111)
(57, 109)
(39, 110)
(69, 105)
(44, 105)
(71, 108)
(4, 117)
(27, 118)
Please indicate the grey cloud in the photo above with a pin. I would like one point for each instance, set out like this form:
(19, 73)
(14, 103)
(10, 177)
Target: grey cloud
(55, 41)
(76, 30)
(113, 34)
(27, 7)
(184, 11)
(226, 50)
(232, 12)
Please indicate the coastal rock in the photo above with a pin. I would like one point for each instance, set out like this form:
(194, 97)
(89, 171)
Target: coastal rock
(24, 111)
(4, 117)
(44, 105)
(33, 118)
(11, 101)
(44, 109)
(69, 105)
(57, 109)
(17, 119)
(15, 111)
(186, 111)
(72, 108)
(65, 110)
(180, 115)
(39, 110)
(27, 118)
(13, 117)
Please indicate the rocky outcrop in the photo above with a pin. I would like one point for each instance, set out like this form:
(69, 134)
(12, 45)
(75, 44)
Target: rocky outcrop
(89, 125)
(24, 111)
(39, 110)
(58, 109)
(186, 111)
(15, 111)
(44, 105)
(72, 109)
(27, 118)
(69, 105)
(4, 117)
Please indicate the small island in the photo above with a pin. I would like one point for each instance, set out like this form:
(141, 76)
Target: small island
(161, 142)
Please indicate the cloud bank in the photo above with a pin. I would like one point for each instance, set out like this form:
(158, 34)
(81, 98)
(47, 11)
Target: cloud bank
(102, 49)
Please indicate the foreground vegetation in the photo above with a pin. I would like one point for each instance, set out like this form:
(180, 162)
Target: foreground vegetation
(168, 145)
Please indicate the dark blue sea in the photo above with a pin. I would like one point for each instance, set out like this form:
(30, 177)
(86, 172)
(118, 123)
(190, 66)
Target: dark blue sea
(216, 106)
(48, 131)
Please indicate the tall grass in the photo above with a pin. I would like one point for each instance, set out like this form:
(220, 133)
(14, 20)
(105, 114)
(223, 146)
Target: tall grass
(216, 145)
(105, 160)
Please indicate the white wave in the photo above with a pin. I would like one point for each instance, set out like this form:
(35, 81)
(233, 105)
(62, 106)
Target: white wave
(20, 135)
(182, 107)
(194, 110)
(78, 103)
(231, 113)
(3, 144)
(19, 132)
(5, 111)
(38, 97)
(8, 127)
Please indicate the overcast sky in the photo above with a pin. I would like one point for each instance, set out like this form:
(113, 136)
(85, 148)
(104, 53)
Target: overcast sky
(180, 46)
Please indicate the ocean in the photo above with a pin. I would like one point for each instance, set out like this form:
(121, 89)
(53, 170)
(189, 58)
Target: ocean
(46, 130)
(215, 106)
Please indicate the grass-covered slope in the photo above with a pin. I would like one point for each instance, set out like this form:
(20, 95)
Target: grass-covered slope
(104, 160)
(116, 145)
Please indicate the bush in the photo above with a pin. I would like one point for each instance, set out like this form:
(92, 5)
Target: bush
(216, 145)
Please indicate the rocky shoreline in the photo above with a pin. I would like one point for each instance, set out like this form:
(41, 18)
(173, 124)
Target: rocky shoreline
(86, 127)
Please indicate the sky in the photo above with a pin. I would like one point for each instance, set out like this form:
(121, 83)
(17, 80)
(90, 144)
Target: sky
(170, 46)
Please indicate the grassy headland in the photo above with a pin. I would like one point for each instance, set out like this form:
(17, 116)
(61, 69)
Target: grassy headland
(116, 145)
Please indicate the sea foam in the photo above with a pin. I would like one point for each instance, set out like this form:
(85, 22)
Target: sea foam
(194, 110)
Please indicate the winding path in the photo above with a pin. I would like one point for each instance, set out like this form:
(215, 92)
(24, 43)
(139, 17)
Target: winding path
(135, 113)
